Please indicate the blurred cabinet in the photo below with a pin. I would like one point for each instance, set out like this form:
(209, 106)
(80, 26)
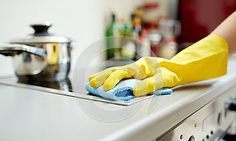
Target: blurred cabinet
(199, 17)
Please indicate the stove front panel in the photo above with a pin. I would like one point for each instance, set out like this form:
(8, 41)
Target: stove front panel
(210, 123)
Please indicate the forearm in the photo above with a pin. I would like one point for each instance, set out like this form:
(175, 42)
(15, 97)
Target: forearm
(208, 57)
(203, 60)
(227, 30)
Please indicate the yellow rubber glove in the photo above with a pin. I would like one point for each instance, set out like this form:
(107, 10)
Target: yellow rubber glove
(203, 60)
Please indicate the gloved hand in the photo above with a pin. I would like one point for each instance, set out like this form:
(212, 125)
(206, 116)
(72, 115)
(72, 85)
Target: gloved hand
(203, 60)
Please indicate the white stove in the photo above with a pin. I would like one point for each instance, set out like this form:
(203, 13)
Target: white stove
(199, 112)
(216, 121)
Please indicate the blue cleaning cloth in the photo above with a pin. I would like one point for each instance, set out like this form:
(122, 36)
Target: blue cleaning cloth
(123, 91)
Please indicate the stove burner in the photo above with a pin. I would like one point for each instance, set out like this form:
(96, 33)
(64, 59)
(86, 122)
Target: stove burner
(64, 85)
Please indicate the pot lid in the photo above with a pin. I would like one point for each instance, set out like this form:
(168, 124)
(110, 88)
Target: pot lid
(41, 35)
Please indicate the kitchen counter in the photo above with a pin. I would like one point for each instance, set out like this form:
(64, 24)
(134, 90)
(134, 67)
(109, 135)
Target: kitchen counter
(33, 115)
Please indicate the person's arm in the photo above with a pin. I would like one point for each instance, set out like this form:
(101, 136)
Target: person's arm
(203, 60)
(227, 30)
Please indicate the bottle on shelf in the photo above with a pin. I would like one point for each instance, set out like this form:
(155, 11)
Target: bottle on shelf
(168, 44)
(144, 46)
(128, 42)
(112, 38)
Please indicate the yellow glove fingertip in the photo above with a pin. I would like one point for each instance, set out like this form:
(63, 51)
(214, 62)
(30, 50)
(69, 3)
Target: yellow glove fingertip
(115, 78)
(135, 91)
(107, 86)
(91, 77)
(92, 82)
(139, 90)
(144, 87)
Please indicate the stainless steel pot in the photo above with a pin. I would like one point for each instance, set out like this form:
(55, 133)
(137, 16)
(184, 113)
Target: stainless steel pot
(40, 56)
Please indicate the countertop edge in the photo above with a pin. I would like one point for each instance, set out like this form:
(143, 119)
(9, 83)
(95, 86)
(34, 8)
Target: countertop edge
(146, 129)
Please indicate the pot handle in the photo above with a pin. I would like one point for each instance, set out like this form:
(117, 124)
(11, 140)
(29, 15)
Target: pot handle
(14, 49)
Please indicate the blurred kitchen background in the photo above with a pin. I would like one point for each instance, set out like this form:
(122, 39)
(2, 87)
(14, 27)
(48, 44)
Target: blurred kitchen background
(152, 27)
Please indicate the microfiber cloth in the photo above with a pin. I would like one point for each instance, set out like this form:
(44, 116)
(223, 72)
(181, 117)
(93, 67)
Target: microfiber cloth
(123, 91)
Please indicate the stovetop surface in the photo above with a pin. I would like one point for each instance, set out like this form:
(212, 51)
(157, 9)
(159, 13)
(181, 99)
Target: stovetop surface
(64, 87)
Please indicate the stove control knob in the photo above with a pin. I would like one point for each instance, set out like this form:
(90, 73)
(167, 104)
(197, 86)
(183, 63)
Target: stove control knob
(191, 138)
(231, 104)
